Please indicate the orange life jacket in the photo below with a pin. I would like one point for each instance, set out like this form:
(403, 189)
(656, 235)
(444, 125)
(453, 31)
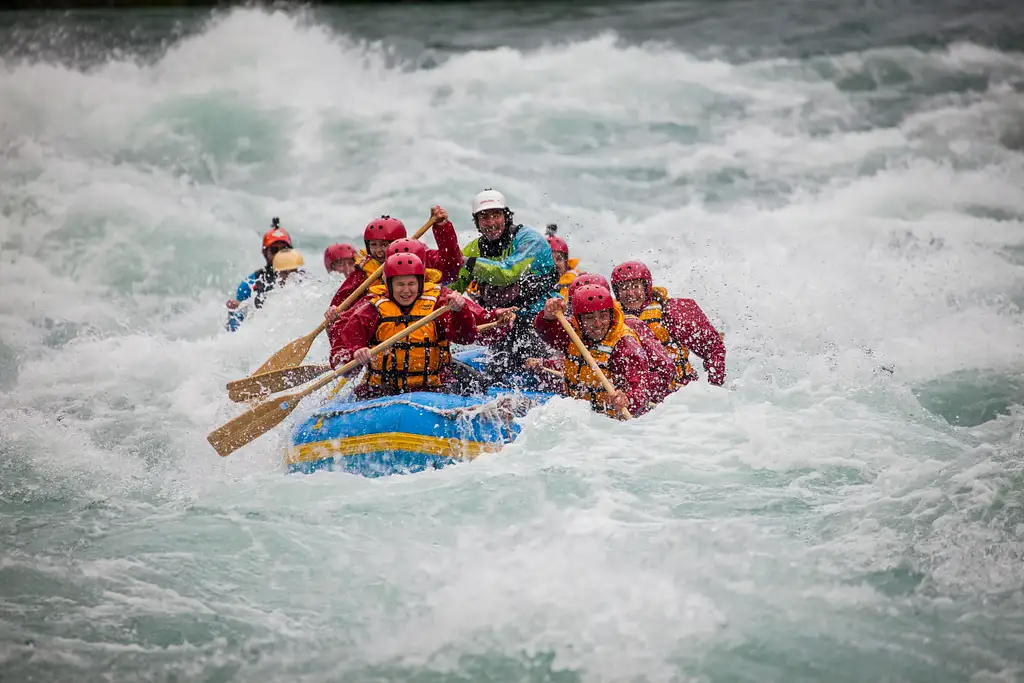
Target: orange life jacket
(566, 280)
(580, 380)
(417, 360)
(367, 263)
(652, 315)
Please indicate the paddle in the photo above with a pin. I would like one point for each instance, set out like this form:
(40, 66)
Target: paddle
(608, 386)
(489, 326)
(295, 351)
(257, 421)
(272, 382)
(265, 383)
(552, 372)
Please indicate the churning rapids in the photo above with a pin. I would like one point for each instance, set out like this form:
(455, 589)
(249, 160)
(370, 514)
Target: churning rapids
(839, 189)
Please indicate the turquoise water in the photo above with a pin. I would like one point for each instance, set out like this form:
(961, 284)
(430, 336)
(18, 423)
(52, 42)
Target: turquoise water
(837, 186)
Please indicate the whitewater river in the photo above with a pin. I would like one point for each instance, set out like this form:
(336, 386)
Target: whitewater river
(839, 186)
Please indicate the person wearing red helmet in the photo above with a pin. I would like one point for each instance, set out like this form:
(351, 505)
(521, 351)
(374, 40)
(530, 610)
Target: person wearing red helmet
(659, 363)
(419, 250)
(613, 345)
(380, 233)
(340, 258)
(261, 281)
(566, 268)
(421, 362)
(405, 245)
(679, 324)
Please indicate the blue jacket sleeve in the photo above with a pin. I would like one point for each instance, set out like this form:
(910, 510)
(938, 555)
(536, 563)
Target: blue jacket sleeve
(242, 293)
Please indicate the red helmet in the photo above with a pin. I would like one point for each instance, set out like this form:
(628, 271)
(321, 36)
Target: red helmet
(408, 246)
(588, 279)
(384, 228)
(558, 245)
(631, 270)
(337, 251)
(591, 298)
(402, 264)
(276, 235)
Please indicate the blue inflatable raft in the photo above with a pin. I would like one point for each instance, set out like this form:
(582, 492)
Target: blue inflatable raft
(408, 432)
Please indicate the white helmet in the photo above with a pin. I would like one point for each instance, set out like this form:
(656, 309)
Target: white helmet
(489, 199)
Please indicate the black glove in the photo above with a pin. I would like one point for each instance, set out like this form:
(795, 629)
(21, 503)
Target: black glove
(469, 264)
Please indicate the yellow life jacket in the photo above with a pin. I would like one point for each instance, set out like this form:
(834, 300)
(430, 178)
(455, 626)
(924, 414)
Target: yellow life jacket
(580, 380)
(417, 360)
(652, 315)
(367, 263)
(566, 280)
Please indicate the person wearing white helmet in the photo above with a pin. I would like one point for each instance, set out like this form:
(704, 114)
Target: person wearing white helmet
(508, 265)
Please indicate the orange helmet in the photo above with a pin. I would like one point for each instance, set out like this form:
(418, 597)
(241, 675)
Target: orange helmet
(276, 234)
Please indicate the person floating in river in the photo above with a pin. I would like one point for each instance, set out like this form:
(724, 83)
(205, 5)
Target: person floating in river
(259, 282)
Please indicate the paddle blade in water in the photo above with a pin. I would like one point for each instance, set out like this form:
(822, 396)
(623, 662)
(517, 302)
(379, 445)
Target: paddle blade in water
(252, 424)
(266, 383)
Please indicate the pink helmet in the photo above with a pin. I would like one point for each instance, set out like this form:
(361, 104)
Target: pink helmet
(337, 251)
(591, 298)
(558, 245)
(384, 228)
(402, 264)
(588, 279)
(632, 270)
(409, 246)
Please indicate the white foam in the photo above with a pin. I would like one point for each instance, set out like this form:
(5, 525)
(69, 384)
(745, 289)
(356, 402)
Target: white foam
(825, 246)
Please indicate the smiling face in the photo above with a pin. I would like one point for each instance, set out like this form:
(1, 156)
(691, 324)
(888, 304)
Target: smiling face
(378, 249)
(595, 325)
(632, 295)
(404, 289)
(491, 223)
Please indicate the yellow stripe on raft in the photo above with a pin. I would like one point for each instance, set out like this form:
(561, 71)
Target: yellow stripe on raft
(389, 441)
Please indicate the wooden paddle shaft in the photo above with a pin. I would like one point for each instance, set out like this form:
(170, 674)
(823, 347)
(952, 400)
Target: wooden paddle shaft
(489, 326)
(257, 421)
(376, 350)
(273, 382)
(608, 386)
(377, 274)
(295, 351)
